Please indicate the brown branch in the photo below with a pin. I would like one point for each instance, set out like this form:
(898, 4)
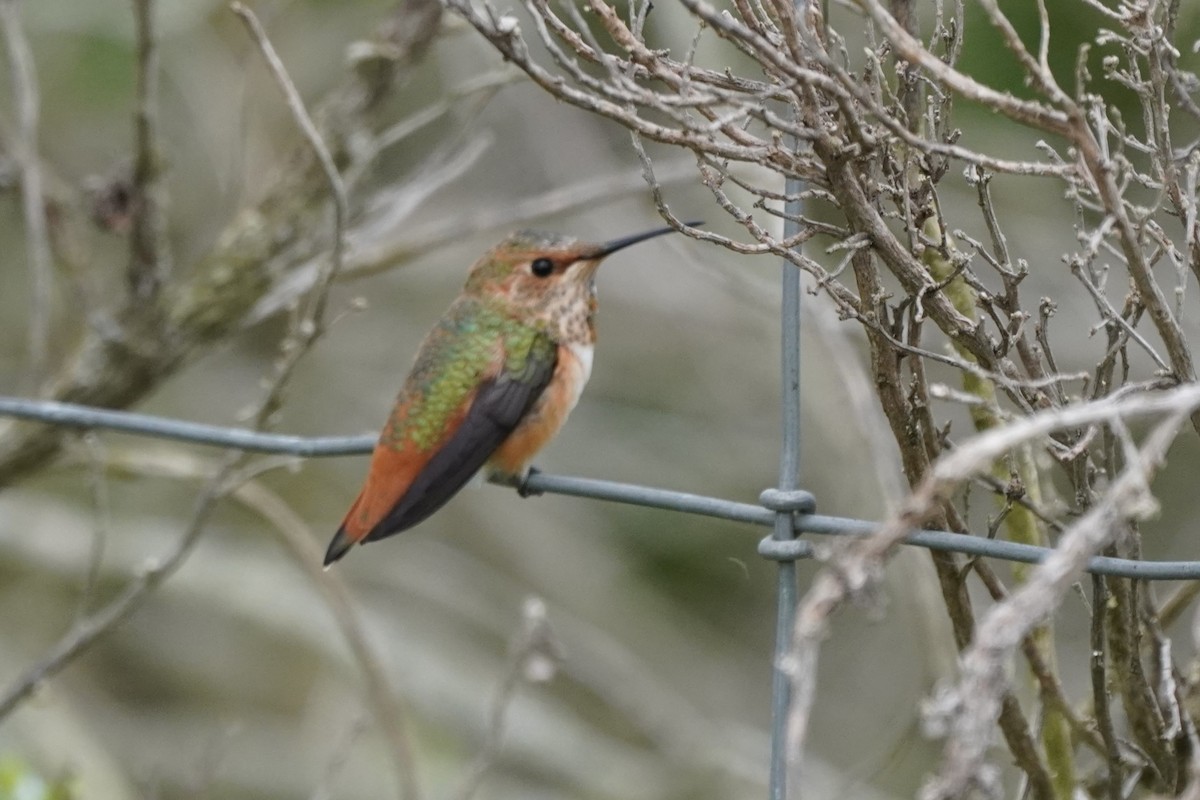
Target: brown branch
(149, 251)
(387, 708)
(86, 631)
(116, 368)
(858, 568)
(1100, 699)
(864, 218)
(916, 456)
(534, 655)
(975, 700)
(310, 325)
(910, 49)
(24, 152)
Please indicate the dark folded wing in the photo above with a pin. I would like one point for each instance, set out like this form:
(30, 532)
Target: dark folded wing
(499, 406)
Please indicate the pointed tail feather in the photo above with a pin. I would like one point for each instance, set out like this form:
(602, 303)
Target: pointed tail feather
(349, 533)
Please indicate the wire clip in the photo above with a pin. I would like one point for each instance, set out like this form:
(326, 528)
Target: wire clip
(774, 549)
(782, 501)
(797, 501)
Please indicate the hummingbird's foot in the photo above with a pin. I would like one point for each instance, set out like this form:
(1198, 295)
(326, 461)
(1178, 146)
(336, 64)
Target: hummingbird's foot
(524, 489)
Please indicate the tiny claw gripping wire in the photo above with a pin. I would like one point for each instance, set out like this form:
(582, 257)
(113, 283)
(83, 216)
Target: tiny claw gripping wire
(525, 488)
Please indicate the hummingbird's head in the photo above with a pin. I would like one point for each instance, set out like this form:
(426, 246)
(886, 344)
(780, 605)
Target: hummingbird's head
(535, 271)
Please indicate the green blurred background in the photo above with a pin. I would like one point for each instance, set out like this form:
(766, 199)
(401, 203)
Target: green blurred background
(234, 680)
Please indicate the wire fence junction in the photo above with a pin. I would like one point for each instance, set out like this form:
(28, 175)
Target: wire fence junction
(798, 506)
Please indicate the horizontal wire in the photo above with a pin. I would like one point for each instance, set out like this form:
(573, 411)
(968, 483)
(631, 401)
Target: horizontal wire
(978, 546)
(71, 415)
(774, 549)
(89, 418)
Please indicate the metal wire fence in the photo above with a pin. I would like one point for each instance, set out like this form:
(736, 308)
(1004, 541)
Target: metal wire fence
(788, 510)
(795, 508)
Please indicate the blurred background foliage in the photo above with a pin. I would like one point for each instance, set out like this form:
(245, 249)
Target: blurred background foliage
(235, 682)
(19, 782)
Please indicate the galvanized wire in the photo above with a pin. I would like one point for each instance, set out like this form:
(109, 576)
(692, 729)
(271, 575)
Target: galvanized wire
(797, 506)
(787, 501)
(70, 415)
(789, 483)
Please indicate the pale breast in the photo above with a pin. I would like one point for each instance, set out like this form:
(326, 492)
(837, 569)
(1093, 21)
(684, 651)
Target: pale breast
(583, 366)
(571, 373)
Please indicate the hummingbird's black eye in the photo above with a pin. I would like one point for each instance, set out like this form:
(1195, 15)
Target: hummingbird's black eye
(541, 267)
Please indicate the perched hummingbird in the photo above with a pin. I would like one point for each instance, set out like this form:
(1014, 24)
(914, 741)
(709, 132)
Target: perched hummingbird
(492, 383)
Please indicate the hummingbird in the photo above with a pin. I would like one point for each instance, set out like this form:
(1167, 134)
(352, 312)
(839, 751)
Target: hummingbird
(492, 383)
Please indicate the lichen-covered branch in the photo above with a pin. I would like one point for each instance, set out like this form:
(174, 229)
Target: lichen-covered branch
(116, 366)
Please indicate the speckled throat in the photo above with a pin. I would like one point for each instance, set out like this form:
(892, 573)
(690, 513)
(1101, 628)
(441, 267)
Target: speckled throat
(569, 312)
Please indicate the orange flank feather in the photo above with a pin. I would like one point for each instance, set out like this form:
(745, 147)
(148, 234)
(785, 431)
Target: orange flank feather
(393, 469)
(391, 473)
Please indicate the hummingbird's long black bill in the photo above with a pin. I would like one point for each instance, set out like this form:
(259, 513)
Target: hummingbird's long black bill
(608, 248)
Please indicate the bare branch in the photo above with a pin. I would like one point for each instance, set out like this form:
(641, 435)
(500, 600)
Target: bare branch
(84, 632)
(388, 708)
(149, 256)
(115, 368)
(310, 325)
(534, 654)
(1027, 113)
(859, 568)
(972, 705)
(23, 75)
(316, 312)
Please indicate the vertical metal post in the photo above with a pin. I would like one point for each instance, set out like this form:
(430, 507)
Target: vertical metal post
(789, 480)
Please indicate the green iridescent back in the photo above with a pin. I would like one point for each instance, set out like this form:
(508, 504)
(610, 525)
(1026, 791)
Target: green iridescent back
(453, 360)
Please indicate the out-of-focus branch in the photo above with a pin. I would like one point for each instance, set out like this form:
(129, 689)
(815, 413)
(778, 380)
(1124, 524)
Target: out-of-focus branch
(296, 538)
(310, 325)
(388, 709)
(93, 626)
(858, 569)
(85, 631)
(149, 251)
(24, 151)
(115, 367)
(967, 709)
(372, 258)
(299, 541)
(370, 255)
(341, 206)
(534, 654)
